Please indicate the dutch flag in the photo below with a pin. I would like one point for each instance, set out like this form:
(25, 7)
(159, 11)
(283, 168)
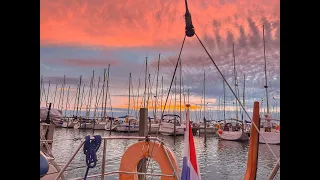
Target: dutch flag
(190, 168)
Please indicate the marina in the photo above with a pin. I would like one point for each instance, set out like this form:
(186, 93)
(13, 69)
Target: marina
(168, 122)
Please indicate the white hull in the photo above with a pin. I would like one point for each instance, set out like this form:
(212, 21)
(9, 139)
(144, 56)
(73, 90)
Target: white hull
(168, 129)
(100, 126)
(270, 137)
(69, 124)
(107, 127)
(83, 126)
(234, 136)
(125, 128)
(154, 128)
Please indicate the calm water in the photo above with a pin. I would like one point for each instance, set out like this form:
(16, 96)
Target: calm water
(218, 159)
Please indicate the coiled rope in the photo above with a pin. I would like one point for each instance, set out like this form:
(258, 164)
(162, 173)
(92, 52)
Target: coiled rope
(90, 148)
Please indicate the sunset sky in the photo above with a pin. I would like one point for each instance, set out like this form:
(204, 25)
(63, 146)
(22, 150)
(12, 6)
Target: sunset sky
(81, 36)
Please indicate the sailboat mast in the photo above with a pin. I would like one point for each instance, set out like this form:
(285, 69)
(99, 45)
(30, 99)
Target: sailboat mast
(224, 102)
(235, 78)
(265, 69)
(243, 100)
(106, 98)
(75, 101)
(90, 96)
(54, 96)
(65, 110)
(175, 94)
(149, 85)
(161, 91)
(175, 105)
(204, 103)
(204, 96)
(138, 99)
(103, 88)
(244, 90)
(79, 89)
(129, 94)
(156, 96)
(145, 83)
(64, 84)
(82, 97)
(184, 97)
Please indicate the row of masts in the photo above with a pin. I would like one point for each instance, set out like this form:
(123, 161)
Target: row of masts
(101, 97)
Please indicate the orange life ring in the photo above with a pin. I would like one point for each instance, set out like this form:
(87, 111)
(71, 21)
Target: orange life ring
(142, 149)
(220, 131)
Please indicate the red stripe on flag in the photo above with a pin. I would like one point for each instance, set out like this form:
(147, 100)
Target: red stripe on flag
(193, 156)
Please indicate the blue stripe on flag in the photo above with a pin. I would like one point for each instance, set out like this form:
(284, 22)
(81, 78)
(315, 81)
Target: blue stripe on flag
(185, 175)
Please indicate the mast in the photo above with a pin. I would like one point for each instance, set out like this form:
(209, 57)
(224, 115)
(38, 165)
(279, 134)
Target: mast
(265, 69)
(161, 91)
(96, 105)
(204, 95)
(129, 94)
(244, 91)
(145, 83)
(97, 98)
(54, 97)
(204, 103)
(175, 105)
(65, 110)
(184, 98)
(103, 87)
(156, 96)
(106, 98)
(149, 84)
(224, 103)
(79, 89)
(90, 96)
(243, 100)
(75, 101)
(60, 92)
(82, 97)
(235, 78)
(64, 84)
(138, 99)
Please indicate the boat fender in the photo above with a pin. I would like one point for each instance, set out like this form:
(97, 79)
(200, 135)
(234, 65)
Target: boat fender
(44, 165)
(220, 131)
(143, 149)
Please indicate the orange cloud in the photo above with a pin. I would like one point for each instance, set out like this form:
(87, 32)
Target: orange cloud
(131, 23)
